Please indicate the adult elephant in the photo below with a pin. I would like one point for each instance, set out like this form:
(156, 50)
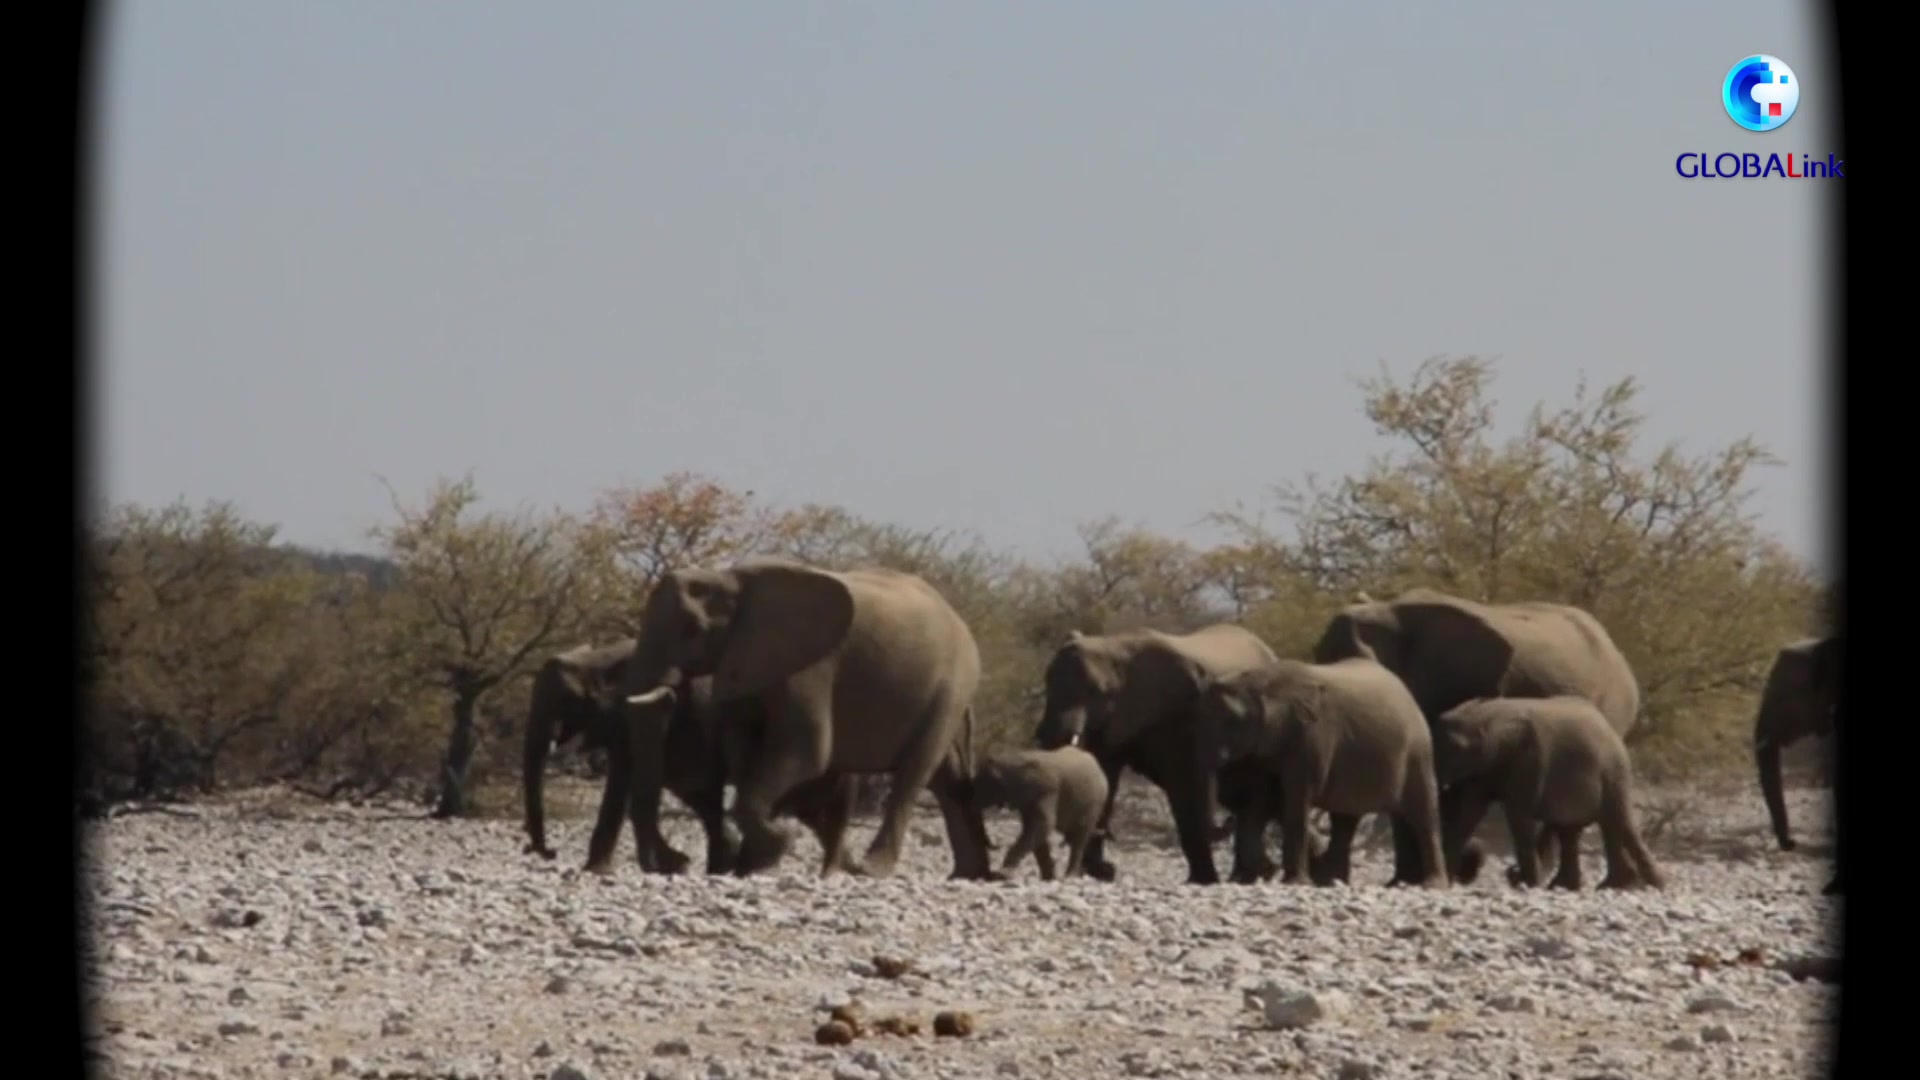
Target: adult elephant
(1128, 698)
(1798, 700)
(857, 671)
(576, 696)
(1450, 650)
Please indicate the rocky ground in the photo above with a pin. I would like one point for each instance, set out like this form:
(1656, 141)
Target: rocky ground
(318, 941)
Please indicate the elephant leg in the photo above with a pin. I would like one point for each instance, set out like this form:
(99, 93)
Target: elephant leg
(1406, 853)
(966, 824)
(791, 754)
(1097, 865)
(1077, 851)
(1568, 876)
(1033, 837)
(1466, 856)
(930, 751)
(1336, 863)
(614, 807)
(1525, 844)
(1544, 844)
(1621, 835)
(828, 820)
(711, 807)
(1461, 809)
(1420, 809)
(1251, 862)
(1043, 854)
(1188, 799)
(1293, 834)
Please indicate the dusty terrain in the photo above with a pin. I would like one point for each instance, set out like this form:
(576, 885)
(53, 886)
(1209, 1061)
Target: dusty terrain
(291, 939)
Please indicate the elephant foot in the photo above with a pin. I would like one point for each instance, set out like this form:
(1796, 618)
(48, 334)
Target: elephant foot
(1472, 858)
(671, 862)
(601, 867)
(541, 850)
(1833, 887)
(759, 851)
(1787, 843)
(1101, 870)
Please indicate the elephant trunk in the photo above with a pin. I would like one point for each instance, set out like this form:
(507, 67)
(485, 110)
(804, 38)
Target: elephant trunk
(642, 733)
(1065, 727)
(1766, 752)
(533, 762)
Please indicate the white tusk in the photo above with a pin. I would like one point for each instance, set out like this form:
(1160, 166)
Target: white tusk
(649, 697)
(1073, 739)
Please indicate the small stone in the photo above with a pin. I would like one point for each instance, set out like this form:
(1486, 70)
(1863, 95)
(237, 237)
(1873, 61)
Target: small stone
(559, 984)
(1515, 1003)
(239, 1027)
(1356, 1069)
(1549, 948)
(567, 1071)
(545, 1049)
(343, 1064)
(1716, 1033)
(1681, 1043)
(312, 846)
(396, 1023)
(1296, 1007)
(238, 996)
(1714, 1001)
(672, 1048)
(891, 967)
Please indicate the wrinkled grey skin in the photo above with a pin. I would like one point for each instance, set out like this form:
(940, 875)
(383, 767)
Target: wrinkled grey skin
(575, 696)
(1063, 790)
(1553, 764)
(1345, 737)
(1798, 700)
(1449, 650)
(1127, 698)
(863, 671)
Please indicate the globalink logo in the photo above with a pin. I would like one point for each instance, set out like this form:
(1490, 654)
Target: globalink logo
(1761, 93)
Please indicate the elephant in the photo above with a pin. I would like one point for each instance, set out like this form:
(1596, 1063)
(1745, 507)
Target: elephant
(1062, 789)
(857, 671)
(1127, 698)
(1798, 700)
(575, 695)
(1552, 763)
(1346, 737)
(1449, 650)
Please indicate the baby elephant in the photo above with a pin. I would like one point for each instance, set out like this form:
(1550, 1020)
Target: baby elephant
(1063, 789)
(1345, 737)
(1552, 763)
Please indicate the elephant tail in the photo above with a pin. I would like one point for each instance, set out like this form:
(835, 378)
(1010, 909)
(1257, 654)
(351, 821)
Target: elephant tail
(969, 750)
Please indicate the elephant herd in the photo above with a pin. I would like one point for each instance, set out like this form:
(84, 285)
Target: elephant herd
(788, 682)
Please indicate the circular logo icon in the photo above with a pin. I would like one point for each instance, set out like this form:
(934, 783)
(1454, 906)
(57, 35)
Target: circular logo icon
(1760, 92)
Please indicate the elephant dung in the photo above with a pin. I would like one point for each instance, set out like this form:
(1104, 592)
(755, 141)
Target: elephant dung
(833, 1033)
(953, 1023)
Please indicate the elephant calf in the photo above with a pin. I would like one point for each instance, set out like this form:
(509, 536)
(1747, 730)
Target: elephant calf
(1062, 789)
(1552, 763)
(1346, 737)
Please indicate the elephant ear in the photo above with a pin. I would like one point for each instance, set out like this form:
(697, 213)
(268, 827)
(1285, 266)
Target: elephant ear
(789, 617)
(1161, 682)
(1343, 639)
(1457, 646)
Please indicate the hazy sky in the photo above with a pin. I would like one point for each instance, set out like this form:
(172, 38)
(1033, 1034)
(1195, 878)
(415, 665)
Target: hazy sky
(989, 266)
